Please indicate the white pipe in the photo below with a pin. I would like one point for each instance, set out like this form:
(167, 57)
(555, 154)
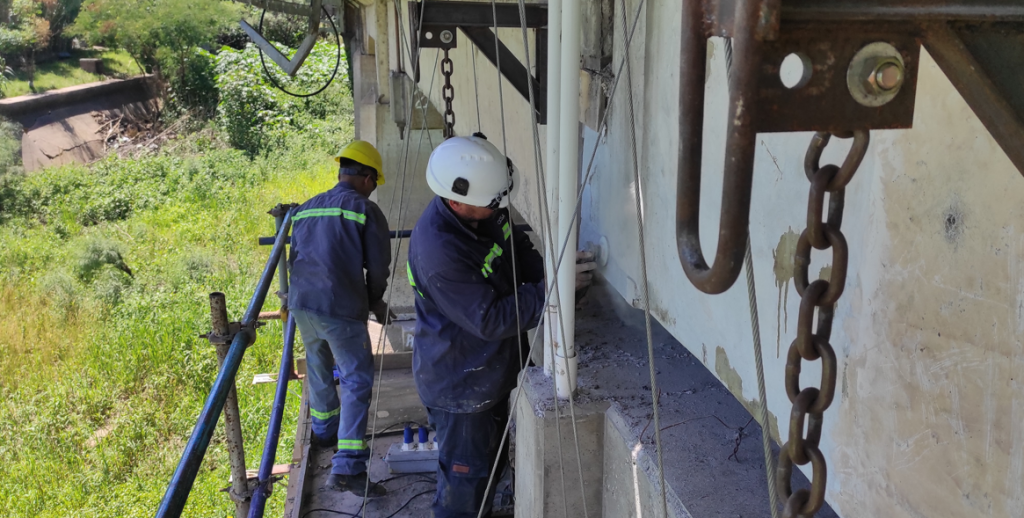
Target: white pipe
(551, 177)
(568, 170)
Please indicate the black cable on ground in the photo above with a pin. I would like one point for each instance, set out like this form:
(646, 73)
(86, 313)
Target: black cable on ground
(342, 513)
(403, 475)
(337, 63)
(409, 501)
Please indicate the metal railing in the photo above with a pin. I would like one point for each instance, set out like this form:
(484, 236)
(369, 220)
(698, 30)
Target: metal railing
(239, 335)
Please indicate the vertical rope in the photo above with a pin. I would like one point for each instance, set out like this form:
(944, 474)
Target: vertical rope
(476, 91)
(398, 244)
(755, 329)
(576, 211)
(645, 295)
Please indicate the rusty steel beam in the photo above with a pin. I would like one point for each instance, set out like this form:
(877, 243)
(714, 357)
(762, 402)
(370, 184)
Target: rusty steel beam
(907, 10)
(978, 89)
(720, 15)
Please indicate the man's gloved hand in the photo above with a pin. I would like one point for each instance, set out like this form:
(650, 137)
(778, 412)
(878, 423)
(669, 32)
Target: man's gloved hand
(584, 265)
(381, 312)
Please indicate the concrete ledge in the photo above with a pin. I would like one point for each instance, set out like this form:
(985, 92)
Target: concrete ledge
(545, 451)
(631, 485)
(55, 99)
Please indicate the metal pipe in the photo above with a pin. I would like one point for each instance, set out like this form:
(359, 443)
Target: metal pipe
(568, 182)
(740, 139)
(282, 272)
(554, 70)
(395, 234)
(262, 491)
(192, 458)
(232, 417)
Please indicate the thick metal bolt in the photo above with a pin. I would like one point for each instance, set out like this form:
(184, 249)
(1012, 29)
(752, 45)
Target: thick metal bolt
(447, 37)
(887, 76)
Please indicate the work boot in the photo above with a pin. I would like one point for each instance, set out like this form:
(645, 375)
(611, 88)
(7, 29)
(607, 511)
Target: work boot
(329, 442)
(355, 484)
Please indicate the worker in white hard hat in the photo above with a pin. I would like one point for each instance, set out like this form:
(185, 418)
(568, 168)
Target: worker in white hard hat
(474, 302)
(340, 258)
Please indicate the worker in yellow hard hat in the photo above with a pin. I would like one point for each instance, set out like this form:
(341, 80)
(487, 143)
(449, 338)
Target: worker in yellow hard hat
(339, 270)
(362, 153)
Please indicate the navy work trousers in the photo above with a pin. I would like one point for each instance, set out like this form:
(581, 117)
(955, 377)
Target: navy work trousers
(467, 447)
(345, 343)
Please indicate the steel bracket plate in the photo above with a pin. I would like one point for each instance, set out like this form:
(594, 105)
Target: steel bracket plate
(825, 103)
(477, 20)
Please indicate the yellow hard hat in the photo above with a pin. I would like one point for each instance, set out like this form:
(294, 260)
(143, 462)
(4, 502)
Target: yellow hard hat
(363, 152)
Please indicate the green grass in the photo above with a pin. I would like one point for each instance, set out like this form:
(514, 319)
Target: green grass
(67, 72)
(103, 374)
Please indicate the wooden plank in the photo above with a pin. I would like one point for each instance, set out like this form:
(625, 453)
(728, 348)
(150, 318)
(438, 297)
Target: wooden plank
(278, 469)
(300, 459)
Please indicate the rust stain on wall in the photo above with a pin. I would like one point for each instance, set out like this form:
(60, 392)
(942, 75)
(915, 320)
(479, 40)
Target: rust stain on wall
(734, 382)
(783, 269)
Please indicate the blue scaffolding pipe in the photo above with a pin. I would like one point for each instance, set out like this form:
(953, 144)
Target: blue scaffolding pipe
(262, 492)
(265, 241)
(192, 458)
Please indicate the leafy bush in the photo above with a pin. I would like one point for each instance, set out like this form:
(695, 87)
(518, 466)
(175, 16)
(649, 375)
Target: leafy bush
(10, 167)
(194, 90)
(284, 28)
(254, 113)
(157, 33)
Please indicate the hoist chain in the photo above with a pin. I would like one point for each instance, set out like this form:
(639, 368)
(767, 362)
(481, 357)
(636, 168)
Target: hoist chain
(809, 404)
(448, 93)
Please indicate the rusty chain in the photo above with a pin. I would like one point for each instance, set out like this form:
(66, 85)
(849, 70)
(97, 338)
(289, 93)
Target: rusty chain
(448, 93)
(810, 403)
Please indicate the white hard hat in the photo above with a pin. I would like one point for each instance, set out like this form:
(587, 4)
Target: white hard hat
(471, 170)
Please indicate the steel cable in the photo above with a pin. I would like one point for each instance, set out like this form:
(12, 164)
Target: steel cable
(579, 197)
(546, 231)
(645, 294)
(755, 330)
(398, 244)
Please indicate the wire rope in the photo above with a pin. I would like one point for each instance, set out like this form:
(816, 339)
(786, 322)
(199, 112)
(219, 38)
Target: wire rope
(579, 196)
(540, 173)
(645, 284)
(398, 244)
(476, 90)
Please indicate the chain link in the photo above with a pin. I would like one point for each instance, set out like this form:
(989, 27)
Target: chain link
(810, 403)
(448, 93)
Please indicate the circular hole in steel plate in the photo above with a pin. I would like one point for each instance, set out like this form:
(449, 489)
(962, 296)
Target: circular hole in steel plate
(795, 70)
(429, 35)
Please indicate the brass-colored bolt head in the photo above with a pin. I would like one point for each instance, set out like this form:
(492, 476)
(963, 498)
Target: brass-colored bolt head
(887, 76)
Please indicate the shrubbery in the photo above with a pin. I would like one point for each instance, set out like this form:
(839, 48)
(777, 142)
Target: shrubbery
(194, 91)
(255, 114)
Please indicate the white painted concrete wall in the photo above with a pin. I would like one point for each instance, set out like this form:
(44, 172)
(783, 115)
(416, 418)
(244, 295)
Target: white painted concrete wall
(928, 333)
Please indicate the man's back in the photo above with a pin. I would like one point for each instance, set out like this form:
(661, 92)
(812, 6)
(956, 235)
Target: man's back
(466, 353)
(335, 235)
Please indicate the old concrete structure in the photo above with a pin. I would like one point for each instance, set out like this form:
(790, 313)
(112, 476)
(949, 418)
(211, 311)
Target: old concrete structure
(927, 416)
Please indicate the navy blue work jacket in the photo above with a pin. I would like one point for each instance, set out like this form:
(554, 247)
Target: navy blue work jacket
(336, 235)
(466, 347)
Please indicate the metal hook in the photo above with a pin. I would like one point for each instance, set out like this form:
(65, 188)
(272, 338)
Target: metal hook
(740, 144)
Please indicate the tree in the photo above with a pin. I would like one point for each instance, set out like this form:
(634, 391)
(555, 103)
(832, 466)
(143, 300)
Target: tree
(26, 33)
